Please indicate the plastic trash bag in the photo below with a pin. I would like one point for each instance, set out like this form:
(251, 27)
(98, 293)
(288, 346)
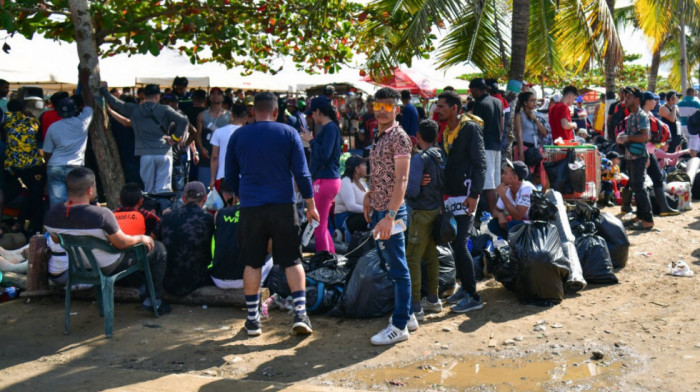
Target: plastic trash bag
(541, 209)
(613, 232)
(575, 282)
(576, 172)
(595, 259)
(499, 264)
(446, 272)
(542, 266)
(369, 292)
(214, 201)
(679, 268)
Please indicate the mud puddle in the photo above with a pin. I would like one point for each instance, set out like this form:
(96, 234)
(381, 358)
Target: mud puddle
(541, 371)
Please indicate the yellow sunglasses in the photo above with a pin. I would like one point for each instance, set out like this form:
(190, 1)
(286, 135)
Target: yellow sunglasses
(387, 107)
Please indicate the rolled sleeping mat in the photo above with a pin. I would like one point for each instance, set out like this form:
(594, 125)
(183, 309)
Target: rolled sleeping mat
(575, 282)
(692, 167)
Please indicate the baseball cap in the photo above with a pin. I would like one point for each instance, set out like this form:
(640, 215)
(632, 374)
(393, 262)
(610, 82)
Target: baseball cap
(195, 189)
(649, 95)
(527, 84)
(519, 167)
(168, 98)
(328, 90)
(317, 103)
(65, 108)
(579, 99)
(479, 83)
(249, 100)
(492, 84)
(151, 89)
(634, 91)
(216, 90)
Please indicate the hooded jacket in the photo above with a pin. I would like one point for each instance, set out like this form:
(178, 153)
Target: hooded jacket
(151, 121)
(465, 171)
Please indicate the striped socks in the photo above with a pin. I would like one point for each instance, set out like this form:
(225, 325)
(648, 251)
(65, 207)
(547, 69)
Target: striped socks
(299, 300)
(251, 303)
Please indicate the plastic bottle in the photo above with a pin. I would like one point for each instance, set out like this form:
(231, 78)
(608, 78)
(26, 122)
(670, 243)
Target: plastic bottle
(8, 293)
(484, 221)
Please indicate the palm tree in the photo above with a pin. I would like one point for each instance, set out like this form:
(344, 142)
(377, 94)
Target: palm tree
(538, 31)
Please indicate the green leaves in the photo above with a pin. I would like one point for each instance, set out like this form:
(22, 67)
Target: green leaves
(318, 34)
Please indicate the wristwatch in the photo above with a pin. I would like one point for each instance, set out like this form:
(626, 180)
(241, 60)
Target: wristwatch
(391, 214)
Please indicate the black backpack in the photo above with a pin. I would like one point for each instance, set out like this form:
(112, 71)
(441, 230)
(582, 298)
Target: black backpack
(694, 123)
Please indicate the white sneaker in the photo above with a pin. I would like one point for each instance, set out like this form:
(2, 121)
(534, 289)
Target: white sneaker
(412, 323)
(389, 335)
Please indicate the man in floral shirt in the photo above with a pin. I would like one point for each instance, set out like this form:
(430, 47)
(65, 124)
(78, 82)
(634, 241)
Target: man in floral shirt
(389, 158)
(186, 234)
(23, 159)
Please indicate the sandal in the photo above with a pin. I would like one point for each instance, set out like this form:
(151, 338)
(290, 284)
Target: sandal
(638, 226)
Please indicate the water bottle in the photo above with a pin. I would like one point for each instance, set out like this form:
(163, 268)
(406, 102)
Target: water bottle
(8, 293)
(485, 218)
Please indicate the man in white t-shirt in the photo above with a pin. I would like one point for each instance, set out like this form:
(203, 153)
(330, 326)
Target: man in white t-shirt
(219, 142)
(513, 198)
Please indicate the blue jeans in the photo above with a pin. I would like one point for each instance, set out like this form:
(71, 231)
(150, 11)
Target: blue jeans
(392, 253)
(56, 179)
(340, 219)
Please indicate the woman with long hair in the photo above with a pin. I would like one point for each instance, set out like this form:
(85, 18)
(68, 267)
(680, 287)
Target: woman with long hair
(526, 125)
(325, 167)
(349, 216)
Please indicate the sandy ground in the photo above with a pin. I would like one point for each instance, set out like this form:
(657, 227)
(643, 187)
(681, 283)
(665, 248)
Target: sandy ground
(645, 328)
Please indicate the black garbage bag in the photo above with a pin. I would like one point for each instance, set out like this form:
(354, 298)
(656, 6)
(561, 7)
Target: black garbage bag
(323, 303)
(595, 259)
(446, 275)
(557, 175)
(576, 173)
(277, 282)
(613, 232)
(499, 264)
(481, 243)
(369, 291)
(328, 275)
(541, 209)
(360, 244)
(542, 266)
(671, 200)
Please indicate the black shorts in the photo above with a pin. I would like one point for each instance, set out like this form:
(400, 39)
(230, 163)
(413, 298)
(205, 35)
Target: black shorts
(257, 225)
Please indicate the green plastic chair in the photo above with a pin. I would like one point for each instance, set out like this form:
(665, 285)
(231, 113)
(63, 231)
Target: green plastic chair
(83, 268)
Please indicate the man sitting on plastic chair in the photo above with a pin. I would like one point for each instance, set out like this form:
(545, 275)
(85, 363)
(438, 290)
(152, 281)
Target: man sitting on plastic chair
(80, 218)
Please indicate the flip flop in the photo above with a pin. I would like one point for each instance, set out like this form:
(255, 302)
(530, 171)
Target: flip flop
(638, 226)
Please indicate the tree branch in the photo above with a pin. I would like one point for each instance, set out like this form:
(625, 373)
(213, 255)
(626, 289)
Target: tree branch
(40, 9)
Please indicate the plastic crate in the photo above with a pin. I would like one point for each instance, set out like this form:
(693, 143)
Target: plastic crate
(591, 158)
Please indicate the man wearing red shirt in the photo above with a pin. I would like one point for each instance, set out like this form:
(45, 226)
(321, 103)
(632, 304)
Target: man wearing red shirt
(560, 115)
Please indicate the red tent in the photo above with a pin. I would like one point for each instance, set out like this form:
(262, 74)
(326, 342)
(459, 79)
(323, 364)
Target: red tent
(408, 79)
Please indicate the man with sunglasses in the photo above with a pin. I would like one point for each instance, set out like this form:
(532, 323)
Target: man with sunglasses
(384, 208)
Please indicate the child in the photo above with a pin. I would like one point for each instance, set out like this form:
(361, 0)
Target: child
(610, 167)
(132, 219)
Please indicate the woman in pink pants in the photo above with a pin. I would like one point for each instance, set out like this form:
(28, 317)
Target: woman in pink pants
(325, 167)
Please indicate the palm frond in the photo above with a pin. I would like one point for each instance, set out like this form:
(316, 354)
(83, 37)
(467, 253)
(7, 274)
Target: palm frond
(653, 20)
(585, 31)
(472, 39)
(542, 52)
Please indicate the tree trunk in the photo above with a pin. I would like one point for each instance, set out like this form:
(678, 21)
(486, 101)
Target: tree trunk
(654, 69)
(610, 66)
(519, 35)
(103, 143)
(683, 61)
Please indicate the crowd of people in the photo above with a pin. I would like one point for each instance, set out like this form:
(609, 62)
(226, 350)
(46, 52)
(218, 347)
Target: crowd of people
(263, 154)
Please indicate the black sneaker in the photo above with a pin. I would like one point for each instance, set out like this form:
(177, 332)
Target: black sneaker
(302, 324)
(253, 327)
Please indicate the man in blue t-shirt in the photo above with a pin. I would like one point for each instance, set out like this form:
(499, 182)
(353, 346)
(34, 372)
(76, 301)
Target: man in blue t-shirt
(409, 114)
(263, 161)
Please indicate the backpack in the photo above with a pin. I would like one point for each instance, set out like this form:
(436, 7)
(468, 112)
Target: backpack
(659, 131)
(440, 180)
(617, 117)
(694, 123)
